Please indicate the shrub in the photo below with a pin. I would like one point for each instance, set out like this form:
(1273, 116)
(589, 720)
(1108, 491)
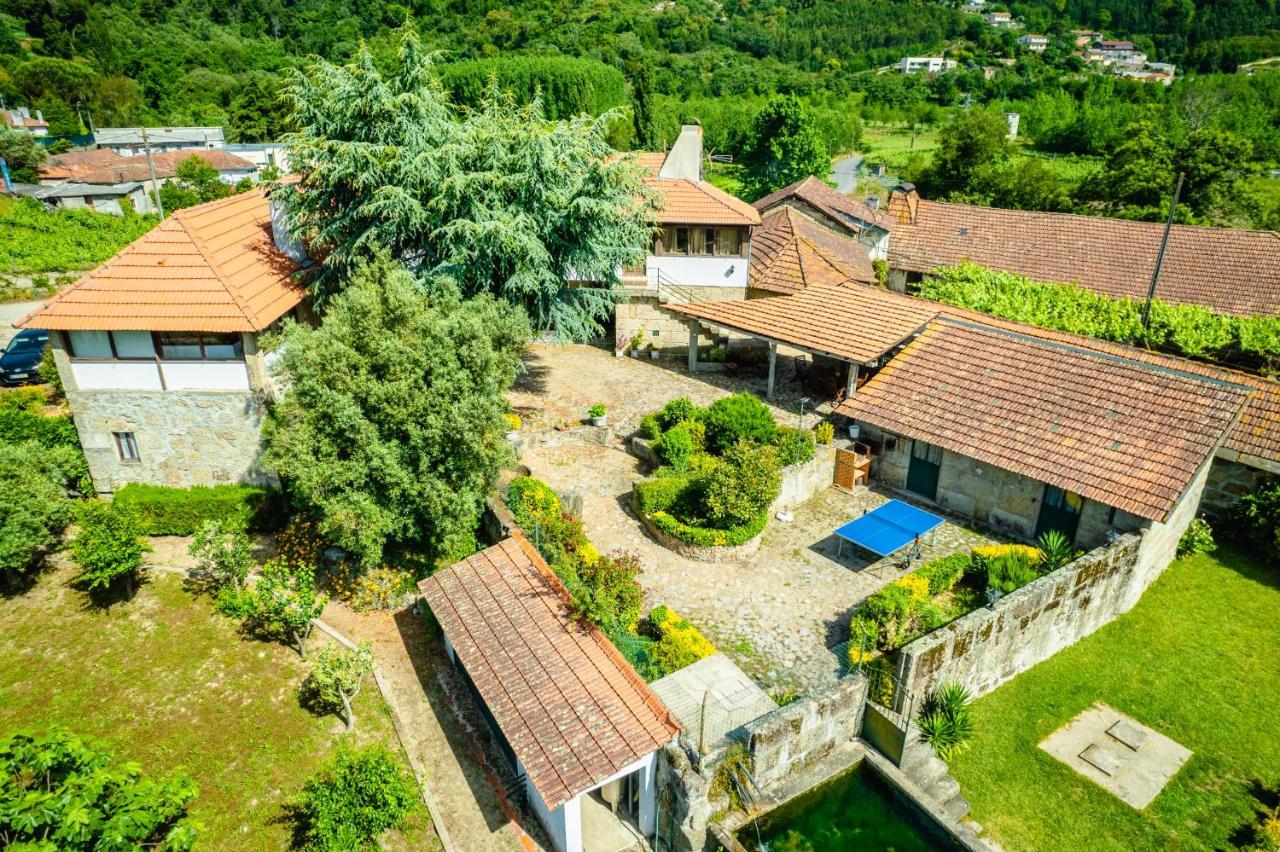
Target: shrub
(224, 551)
(945, 720)
(356, 797)
(65, 792)
(30, 400)
(678, 410)
(677, 642)
(513, 421)
(48, 372)
(299, 544)
(1256, 519)
(1197, 539)
(108, 545)
(609, 593)
(18, 426)
(659, 493)
(35, 509)
(650, 427)
(944, 573)
(369, 590)
(744, 485)
(1025, 552)
(597, 410)
(706, 536)
(180, 511)
(824, 433)
(795, 446)
(1009, 571)
(733, 418)
(889, 612)
(1055, 550)
(676, 447)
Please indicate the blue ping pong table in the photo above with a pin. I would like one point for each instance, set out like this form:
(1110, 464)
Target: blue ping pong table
(887, 529)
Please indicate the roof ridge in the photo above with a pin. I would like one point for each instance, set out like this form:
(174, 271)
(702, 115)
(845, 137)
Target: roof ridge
(1111, 219)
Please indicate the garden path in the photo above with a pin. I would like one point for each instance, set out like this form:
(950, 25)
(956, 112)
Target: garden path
(777, 613)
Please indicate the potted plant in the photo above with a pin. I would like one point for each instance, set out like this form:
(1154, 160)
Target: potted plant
(653, 352)
(598, 414)
(636, 342)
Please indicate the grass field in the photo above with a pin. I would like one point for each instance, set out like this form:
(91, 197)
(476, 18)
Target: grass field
(894, 145)
(1198, 660)
(164, 681)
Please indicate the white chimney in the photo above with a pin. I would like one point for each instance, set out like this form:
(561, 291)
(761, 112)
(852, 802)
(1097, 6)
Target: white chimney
(684, 162)
(284, 240)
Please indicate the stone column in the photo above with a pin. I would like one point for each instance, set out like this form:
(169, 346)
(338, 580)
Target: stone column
(773, 368)
(851, 387)
(693, 345)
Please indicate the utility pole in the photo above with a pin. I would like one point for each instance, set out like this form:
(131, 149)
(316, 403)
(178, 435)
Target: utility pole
(155, 184)
(1164, 243)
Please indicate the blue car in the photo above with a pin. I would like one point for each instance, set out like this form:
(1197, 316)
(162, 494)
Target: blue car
(22, 356)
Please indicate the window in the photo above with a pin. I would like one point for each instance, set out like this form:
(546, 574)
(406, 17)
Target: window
(729, 241)
(682, 241)
(195, 346)
(127, 447)
(700, 241)
(91, 344)
(126, 345)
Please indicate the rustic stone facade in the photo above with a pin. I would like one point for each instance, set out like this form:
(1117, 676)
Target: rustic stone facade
(784, 742)
(1001, 499)
(994, 644)
(663, 330)
(1228, 482)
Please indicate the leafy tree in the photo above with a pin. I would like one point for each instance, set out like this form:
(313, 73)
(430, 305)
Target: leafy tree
(64, 792)
(222, 549)
(195, 183)
(22, 153)
(356, 797)
(568, 85)
(500, 199)
(285, 602)
(108, 546)
(742, 486)
(783, 147)
(645, 127)
(258, 112)
(62, 119)
(975, 139)
(37, 508)
(392, 428)
(1019, 183)
(47, 76)
(337, 676)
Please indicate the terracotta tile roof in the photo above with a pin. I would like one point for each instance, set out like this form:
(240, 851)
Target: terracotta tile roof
(136, 168)
(571, 708)
(789, 251)
(689, 202)
(213, 267)
(854, 322)
(1227, 270)
(72, 163)
(1114, 430)
(841, 209)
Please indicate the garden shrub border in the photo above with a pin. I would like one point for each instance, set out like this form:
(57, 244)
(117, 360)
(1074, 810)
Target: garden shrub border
(165, 510)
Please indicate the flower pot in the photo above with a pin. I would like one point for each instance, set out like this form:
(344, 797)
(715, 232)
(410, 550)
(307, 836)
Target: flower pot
(513, 436)
(855, 431)
(599, 421)
(635, 353)
(653, 354)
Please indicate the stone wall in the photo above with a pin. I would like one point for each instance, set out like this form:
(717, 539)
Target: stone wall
(1228, 482)
(782, 743)
(662, 329)
(1001, 499)
(800, 482)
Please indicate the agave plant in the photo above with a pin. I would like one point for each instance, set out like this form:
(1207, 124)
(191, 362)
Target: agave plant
(945, 721)
(1055, 550)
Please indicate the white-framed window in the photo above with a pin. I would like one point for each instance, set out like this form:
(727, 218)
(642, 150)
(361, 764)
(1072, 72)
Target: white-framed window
(127, 447)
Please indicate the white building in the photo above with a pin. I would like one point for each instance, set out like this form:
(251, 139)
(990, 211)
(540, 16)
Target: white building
(22, 120)
(1034, 42)
(581, 731)
(926, 64)
(100, 198)
(128, 141)
(1115, 53)
(262, 154)
(1000, 20)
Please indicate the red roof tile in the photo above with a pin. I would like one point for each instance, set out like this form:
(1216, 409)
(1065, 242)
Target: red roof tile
(847, 212)
(125, 169)
(571, 708)
(855, 322)
(213, 267)
(1227, 270)
(789, 251)
(690, 202)
(1114, 430)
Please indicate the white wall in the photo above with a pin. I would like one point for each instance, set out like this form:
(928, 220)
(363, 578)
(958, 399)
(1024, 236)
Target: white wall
(116, 375)
(564, 824)
(205, 375)
(687, 271)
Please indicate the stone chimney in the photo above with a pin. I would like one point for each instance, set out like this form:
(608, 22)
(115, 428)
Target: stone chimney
(904, 204)
(684, 161)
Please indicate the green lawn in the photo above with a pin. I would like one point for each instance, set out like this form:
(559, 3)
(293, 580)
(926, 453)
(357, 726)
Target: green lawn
(894, 145)
(164, 681)
(1198, 660)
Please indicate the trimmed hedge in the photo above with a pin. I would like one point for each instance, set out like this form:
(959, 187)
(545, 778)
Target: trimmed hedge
(944, 573)
(706, 536)
(795, 446)
(660, 493)
(18, 425)
(181, 511)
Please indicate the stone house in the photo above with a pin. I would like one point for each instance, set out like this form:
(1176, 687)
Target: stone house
(158, 347)
(581, 731)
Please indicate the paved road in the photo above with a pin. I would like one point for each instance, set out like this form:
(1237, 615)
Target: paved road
(845, 173)
(9, 312)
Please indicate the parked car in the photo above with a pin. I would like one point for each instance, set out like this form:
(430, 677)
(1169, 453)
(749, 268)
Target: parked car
(22, 356)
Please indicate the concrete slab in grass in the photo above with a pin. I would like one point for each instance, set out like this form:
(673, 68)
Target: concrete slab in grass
(1118, 753)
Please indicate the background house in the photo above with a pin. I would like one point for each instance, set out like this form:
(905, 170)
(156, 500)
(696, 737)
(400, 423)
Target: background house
(925, 64)
(127, 141)
(101, 198)
(22, 120)
(158, 347)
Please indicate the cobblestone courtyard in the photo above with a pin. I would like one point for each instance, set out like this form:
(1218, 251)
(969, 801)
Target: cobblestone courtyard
(777, 613)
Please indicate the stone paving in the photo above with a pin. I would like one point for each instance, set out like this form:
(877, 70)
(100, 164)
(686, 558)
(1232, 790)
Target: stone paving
(778, 612)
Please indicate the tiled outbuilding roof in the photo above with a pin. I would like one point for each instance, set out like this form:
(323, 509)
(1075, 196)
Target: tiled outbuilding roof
(1227, 270)
(847, 212)
(136, 168)
(571, 708)
(789, 251)
(1118, 431)
(693, 202)
(853, 322)
(73, 163)
(213, 267)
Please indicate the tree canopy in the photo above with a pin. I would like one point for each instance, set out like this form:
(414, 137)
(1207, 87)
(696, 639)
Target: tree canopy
(499, 199)
(784, 147)
(391, 431)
